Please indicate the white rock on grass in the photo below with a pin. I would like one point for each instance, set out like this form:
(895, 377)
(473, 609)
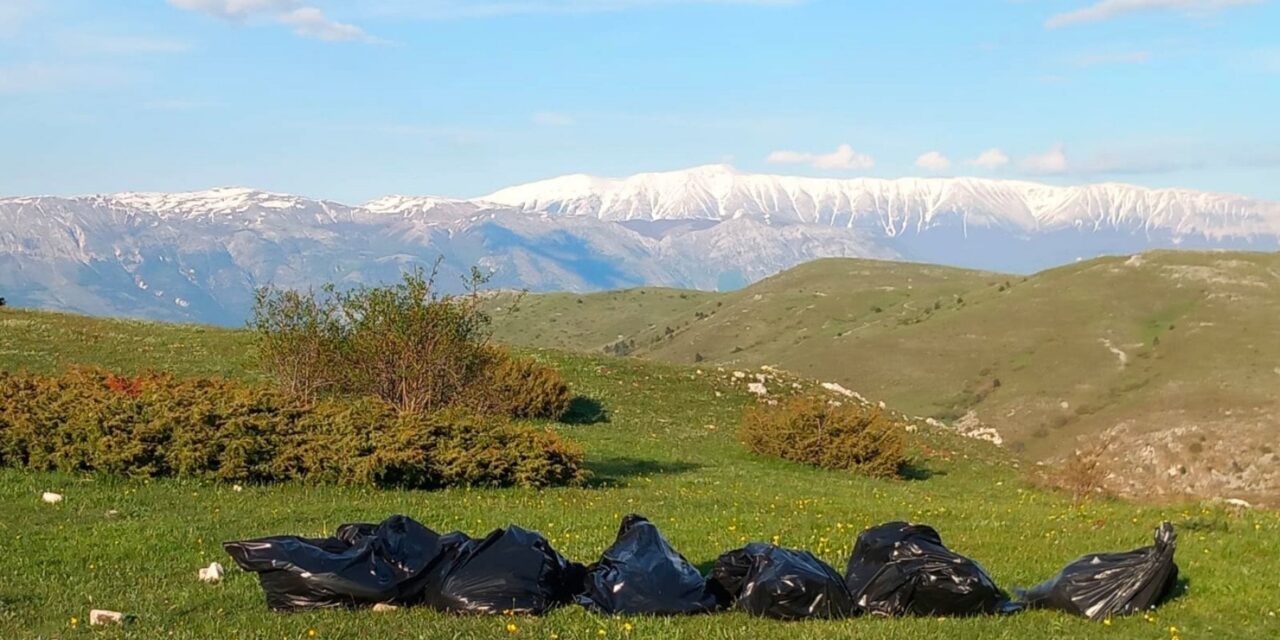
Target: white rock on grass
(212, 573)
(758, 388)
(837, 388)
(383, 607)
(102, 616)
(51, 497)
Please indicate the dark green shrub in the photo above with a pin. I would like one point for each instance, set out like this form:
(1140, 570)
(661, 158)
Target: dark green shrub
(522, 388)
(155, 425)
(814, 430)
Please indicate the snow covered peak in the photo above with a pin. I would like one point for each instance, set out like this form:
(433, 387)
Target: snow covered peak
(211, 201)
(417, 206)
(895, 206)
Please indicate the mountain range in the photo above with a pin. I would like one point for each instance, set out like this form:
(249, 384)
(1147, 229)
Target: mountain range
(200, 255)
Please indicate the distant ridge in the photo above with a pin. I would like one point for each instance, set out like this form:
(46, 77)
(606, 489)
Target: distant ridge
(199, 255)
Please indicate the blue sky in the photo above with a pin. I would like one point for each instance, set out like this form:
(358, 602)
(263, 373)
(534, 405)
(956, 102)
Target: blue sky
(352, 100)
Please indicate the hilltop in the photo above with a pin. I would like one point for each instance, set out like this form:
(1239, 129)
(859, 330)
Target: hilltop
(1171, 357)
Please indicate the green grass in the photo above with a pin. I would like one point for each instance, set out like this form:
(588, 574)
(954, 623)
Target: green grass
(667, 451)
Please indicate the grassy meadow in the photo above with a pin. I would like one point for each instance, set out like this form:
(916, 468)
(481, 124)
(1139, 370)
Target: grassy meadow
(667, 450)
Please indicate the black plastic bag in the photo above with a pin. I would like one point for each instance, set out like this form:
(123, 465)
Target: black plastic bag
(1105, 584)
(362, 565)
(511, 570)
(904, 569)
(642, 574)
(788, 584)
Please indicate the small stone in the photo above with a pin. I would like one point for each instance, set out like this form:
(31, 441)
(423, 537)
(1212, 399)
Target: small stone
(237, 488)
(112, 513)
(757, 388)
(102, 616)
(382, 607)
(1237, 503)
(51, 497)
(212, 573)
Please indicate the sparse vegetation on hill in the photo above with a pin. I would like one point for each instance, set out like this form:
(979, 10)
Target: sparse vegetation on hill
(1152, 352)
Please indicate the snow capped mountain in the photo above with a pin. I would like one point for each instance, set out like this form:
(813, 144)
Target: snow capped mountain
(904, 205)
(200, 255)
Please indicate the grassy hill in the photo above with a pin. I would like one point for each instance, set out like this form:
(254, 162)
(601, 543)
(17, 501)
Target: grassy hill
(1174, 357)
(667, 451)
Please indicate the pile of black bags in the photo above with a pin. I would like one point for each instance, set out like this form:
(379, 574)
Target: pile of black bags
(897, 569)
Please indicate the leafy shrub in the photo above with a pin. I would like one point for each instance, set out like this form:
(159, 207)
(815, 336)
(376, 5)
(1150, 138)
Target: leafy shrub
(154, 425)
(816, 431)
(405, 344)
(522, 388)
(299, 339)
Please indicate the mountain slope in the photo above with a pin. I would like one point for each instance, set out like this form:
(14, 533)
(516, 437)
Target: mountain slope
(200, 255)
(1174, 356)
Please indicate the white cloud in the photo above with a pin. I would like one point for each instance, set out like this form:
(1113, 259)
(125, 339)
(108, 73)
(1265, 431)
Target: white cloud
(1051, 162)
(933, 161)
(1123, 57)
(305, 20)
(449, 9)
(844, 157)
(1104, 10)
(552, 119)
(992, 158)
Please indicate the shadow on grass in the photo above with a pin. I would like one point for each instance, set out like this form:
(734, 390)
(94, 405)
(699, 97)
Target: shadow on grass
(616, 471)
(584, 410)
(1180, 588)
(917, 471)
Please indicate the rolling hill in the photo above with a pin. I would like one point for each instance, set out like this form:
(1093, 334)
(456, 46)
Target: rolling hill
(1171, 360)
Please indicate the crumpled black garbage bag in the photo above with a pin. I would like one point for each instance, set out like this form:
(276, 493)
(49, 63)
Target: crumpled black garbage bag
(642, 574)
(1105, 584)
(904, 569)
(788, 584)
(511, 570)
(361, 565)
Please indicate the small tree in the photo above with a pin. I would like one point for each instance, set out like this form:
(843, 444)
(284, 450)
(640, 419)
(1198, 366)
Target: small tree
(300, 339)
(414, 348)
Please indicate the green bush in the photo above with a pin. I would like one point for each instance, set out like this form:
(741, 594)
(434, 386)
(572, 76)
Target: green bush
(521, 388)
(155, 425)
(814, 430)
(407, 344)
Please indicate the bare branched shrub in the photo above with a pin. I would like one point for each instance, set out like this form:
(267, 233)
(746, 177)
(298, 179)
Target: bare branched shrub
(1082, 473)
(299, 336)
